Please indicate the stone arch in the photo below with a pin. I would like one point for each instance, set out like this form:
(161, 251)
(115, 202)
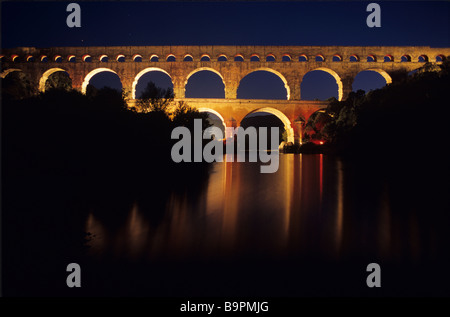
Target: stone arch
(238, 58)
(271, 70)
(383, 73)
(92, 74)
(405, 58)
(336, 77)
(371, 58)
(320, 58)
(202, 69)
(188, 58)
(440, 58)
(370, 79)
(171, 58)
(315, 112)
(141, 73)
(388, 58)
(8, 71)
(308, 127)
(422, 58)
(222, 58)
(280, 115)
(336, 58)
(254, 58)
(286, 58)
(205, 58)
(354, 58)
(46, 75)
(204, 109)
(271, 58)
(302, 58)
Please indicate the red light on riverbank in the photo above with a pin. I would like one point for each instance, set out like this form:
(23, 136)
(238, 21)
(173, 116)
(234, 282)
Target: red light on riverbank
(318, 142)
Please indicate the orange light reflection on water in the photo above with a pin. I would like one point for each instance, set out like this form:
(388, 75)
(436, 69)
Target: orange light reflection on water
(240, 210)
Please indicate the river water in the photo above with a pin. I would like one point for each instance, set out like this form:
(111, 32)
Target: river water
(310, 229)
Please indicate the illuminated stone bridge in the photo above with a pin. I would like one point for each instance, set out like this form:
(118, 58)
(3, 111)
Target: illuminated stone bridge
(230, 63)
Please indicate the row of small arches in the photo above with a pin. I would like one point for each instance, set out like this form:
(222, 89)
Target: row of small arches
(224, 58)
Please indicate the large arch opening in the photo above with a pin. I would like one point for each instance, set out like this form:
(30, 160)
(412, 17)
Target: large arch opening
(204, 83)
(270, 117)
(215, 119)
(321, 84)
(313, 131)
(159, 76)
(15, 84)
(100, 78)
(55, 78)
(263, 83)
(45, 76)
(6, 72)
(59, 80)
(160, 79)
(371, 79)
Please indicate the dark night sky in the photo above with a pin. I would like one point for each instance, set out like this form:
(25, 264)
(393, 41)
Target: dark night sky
(43, 24)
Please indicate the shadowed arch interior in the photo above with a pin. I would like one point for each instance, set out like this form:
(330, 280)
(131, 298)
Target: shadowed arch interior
(8, 71)
(160, 79)
(47, 73)
(270, 84)
(141, 73)
(310, 90)
(204, 82)
(91, 74)
(213, 120)
(371, 79)
(280, 115)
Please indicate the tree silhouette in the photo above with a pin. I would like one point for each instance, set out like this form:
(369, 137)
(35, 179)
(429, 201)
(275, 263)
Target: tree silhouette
(184, 115)
(155, 99)
(59, 80)
(17, 85)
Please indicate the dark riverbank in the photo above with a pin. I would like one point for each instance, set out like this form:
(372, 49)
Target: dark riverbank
(309, 148)
(65, 154)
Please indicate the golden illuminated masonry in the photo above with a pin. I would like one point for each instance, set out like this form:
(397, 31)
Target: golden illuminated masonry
(230, 63)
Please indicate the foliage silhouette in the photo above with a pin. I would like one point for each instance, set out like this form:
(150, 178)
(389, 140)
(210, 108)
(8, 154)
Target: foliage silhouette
(58, 80)
(389, 118)
(155, 99)
(17, 85)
